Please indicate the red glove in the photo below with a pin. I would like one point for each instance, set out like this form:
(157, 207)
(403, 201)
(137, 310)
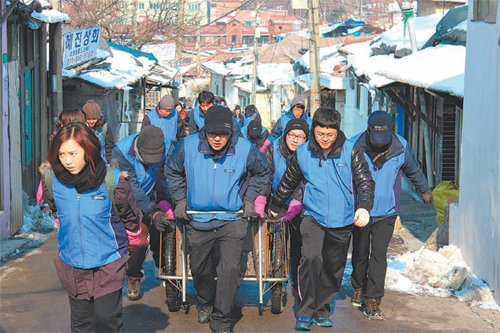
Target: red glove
(294, 208)
(260, 205)
(166, 208)
(134, 238)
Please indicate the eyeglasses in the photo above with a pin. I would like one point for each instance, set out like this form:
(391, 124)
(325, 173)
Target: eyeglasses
(294, 137)
(223, 136)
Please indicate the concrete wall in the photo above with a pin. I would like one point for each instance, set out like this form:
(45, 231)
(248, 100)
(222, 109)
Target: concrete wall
(475, 222)
(4, 135)
(355, 117)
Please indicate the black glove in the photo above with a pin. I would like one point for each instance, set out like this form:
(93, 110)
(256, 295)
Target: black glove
(161, 222)
(249, 209)
(275, 212)
(180, 210)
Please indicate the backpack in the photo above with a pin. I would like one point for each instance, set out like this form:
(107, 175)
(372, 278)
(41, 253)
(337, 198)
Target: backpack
(110, 183)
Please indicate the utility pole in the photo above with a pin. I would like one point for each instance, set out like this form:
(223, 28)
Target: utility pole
(179, 45)
(198, 46)
(315, 91)
(256, 35)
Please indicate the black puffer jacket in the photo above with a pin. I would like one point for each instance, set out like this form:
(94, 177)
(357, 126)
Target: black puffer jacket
(298, 194)
(364, 186)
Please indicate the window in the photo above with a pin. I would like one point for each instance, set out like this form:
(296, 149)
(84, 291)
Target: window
(485, 10)
(193, 7)
(140, 5)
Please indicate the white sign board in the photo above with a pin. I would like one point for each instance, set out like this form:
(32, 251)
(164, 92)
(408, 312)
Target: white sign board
(299, 4)
(80, 46)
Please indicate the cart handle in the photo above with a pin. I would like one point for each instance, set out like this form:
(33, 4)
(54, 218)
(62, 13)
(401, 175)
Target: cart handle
(191, 212)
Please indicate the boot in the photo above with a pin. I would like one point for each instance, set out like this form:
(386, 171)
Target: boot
(372, 310)
(133, 288)
(357, 297)
(204, 312)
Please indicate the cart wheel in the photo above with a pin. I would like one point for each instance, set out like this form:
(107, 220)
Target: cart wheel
(277, 299)
(278, 262)
(173, 295)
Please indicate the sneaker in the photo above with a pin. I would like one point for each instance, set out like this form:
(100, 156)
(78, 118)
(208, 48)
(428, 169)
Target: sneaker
(372, 310)
(133, 288)
(357, 297)
(204, 312)
(322, 322)
(223, 330)
(303, 324)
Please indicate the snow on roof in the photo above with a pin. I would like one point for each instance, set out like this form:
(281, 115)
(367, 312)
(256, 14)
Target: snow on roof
(363, 48)
(326, 80)
(241, 67)
(70, 73)
(281, 73)
(329, 58)
(50, 16)
(124, 69)
(247, 86)
(438, 68)
(398, 36)
(165, 51)
(364, 65)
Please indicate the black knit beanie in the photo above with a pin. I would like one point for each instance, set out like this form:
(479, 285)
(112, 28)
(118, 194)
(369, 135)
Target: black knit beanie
(150, 144)
(300, 124)
(218, 119)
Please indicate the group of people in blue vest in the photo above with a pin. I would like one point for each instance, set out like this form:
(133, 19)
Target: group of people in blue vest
(305, 171)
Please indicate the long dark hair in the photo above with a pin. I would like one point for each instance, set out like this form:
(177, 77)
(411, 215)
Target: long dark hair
(84, 136)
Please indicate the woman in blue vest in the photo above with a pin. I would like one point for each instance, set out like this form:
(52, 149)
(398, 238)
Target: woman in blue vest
(92, 234)
(278, 154)
(297, 110)
(334, 172)
(142, 155)
(386, 153)
(165, 117)
(93, 117)
(204, 173)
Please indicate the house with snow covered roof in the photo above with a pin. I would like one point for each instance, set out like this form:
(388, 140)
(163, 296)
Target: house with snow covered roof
(423, 91)
(30, 99)
(475, 221)
(233, 80)
(119, 80)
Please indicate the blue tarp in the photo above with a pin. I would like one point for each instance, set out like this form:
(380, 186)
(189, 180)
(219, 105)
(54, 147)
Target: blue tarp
(135, 53)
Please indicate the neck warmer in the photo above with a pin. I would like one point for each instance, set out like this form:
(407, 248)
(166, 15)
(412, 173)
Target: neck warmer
(83, 181)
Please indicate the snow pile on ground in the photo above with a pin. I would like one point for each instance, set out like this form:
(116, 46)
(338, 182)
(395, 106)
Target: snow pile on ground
(36, 221)
(443, 274)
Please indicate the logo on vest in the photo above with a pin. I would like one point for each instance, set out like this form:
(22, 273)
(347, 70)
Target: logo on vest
(229, 170)
(98, 197)
(340, 164)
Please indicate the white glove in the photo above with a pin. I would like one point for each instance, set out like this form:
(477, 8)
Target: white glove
(361, 217)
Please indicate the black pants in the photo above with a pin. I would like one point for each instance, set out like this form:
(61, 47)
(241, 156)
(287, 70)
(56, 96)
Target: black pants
(295, 246)
(324, 255)
(220, 293)
(369, 256)
(150, 237)
(103, 314)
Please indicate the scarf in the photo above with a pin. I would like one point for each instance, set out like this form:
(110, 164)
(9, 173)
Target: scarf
(83, 181)
(378, 155)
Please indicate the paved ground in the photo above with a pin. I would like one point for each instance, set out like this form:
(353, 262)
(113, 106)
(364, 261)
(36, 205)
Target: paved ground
(32, 299)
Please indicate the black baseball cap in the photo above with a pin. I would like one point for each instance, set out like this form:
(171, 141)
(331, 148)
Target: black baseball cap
(380, 128)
